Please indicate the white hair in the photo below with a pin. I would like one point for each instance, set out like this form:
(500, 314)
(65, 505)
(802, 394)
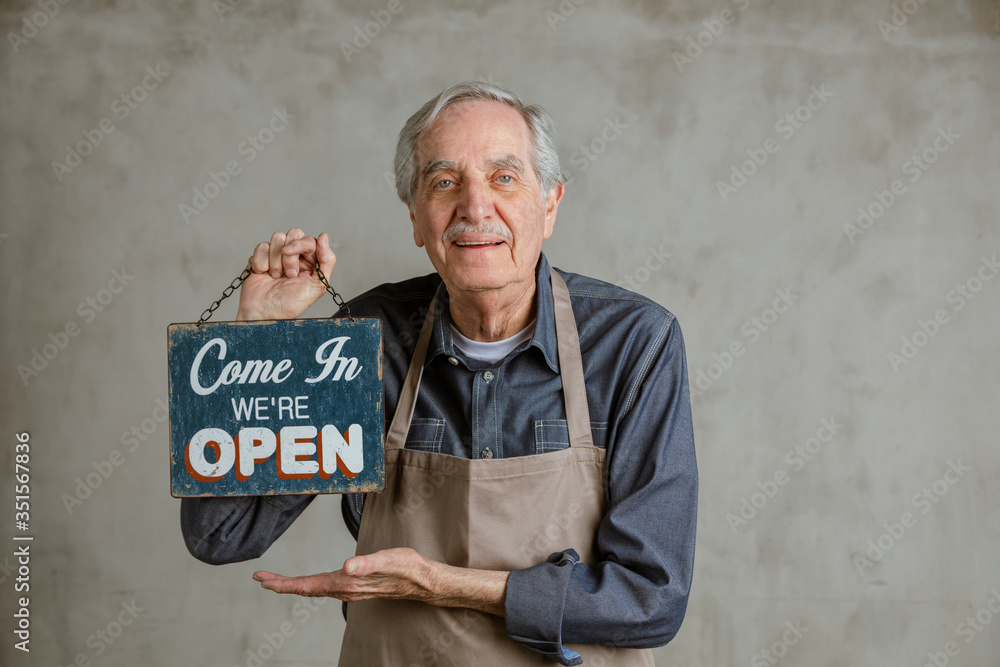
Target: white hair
(544, 159)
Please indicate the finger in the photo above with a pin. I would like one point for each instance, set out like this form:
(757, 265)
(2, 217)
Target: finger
(283, 586)
(290, 253)
(324, 255)
(305, 245)
(261, 575)
(387, 561)
(274, 254)
(357, 566)
(258, 262)
(311, 585)
(296, 251)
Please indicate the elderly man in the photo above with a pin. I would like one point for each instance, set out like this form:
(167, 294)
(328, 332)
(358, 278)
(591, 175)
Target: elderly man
(541, 482)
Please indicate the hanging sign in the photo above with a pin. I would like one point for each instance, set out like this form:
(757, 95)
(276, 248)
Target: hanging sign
(276, 407)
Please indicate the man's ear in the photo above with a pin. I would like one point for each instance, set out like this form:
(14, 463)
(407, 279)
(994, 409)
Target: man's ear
(417, 237)
(551, 207)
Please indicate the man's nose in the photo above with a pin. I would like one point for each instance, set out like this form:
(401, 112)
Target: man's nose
(476, 202)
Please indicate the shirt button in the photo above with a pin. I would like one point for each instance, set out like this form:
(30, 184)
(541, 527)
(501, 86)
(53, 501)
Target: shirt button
(486, 453)
(453, 361)
(487, 375)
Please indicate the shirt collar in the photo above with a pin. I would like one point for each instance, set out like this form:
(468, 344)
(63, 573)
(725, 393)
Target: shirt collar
(544, 337)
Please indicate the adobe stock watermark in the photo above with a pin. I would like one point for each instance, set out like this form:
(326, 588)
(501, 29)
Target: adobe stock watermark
(752, 329)
(566, 9)
(434, 648)
(223, 7)
(924, 500)
(796, 459)
(779, 649)
(656, 259)
(363, 35)
(102, 638)
(555, 533)
(714, 27)
(786, 127)
(413, 496)
(915, 167)
(31, 24)
(898, 17)
(249, 149)
(273, 641)
(404, 341)
(588, 153)
(968, 629)
(88, 309)
(121, 108)
(926, 330)
(131, 441)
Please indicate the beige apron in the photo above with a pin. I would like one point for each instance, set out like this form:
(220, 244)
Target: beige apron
(490, 514)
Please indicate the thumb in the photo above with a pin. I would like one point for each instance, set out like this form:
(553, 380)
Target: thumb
(357, 566)
(324, 255)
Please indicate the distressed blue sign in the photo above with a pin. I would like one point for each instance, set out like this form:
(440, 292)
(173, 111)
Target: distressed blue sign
(276, 407)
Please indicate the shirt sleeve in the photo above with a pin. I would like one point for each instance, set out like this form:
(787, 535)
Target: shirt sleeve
(230, 530)
(636, 595)
(350, 506)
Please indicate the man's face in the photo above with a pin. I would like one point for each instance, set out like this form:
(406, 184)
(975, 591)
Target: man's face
(479, 211)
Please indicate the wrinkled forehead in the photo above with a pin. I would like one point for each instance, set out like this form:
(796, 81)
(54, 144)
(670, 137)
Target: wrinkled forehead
(474, 134)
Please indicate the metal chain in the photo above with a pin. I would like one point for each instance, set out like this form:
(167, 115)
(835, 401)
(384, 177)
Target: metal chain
(337, 299)
(233, 286)
(238, 281)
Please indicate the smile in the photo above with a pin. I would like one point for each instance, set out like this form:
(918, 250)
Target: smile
(470, 244)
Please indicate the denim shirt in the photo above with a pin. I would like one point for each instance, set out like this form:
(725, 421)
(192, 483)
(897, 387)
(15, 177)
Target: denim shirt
(635, 373)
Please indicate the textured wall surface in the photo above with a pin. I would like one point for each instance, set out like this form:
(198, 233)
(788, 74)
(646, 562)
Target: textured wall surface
(843, 363)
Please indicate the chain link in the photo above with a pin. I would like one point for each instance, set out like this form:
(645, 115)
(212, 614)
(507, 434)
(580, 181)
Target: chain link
(337, 299)
(228, 292)
(238, 281)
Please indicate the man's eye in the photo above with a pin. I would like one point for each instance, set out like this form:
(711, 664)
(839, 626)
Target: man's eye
(443, 183)
(505, 178)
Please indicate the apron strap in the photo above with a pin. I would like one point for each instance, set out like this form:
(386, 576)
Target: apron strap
(396, 437)
(571, 366)
(570, 369)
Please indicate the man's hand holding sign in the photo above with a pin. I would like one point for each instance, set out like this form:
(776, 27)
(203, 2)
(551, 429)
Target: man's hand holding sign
(540, 482)
(283, 281)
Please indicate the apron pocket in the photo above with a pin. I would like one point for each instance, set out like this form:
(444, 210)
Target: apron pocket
(425, 435)
(551, 435)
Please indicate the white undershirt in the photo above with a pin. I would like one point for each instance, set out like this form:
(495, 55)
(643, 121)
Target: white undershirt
(493, 352)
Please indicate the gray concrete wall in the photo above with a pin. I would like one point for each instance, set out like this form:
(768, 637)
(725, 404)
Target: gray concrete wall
(692, 91)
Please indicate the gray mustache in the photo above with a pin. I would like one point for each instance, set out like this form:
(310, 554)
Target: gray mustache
(493, 228)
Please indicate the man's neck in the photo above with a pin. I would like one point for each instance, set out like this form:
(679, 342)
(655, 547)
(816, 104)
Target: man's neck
(493, 315)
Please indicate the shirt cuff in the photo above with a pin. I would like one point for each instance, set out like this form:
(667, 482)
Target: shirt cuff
(534, 606)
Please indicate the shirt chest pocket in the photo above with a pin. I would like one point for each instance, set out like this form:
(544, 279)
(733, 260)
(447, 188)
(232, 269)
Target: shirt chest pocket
(553, 434)
(425, 435)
